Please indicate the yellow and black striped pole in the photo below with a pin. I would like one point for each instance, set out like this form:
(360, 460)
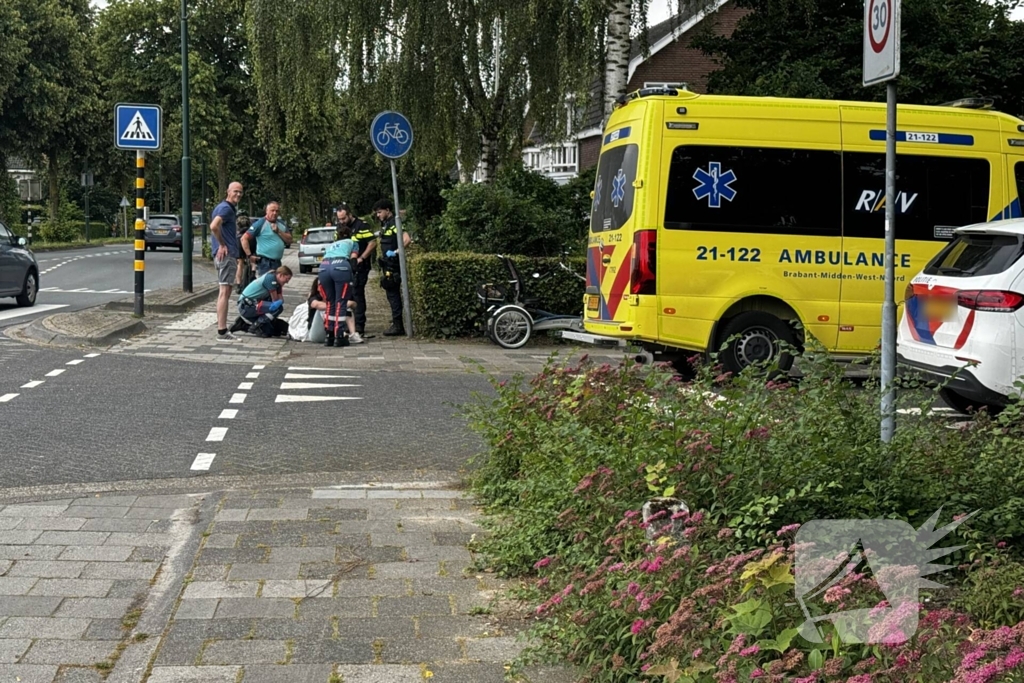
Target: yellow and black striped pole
(140, 232)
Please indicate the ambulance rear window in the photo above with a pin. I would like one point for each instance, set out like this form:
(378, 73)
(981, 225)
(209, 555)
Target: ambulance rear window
(973, 254)
(613, 189)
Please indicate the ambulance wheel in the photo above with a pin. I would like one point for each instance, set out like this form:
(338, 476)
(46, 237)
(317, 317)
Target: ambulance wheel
(511, 328)
(964, 405)
(756, 338)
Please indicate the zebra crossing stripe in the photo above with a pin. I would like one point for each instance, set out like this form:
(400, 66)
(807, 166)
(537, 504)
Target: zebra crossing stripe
(203, 461)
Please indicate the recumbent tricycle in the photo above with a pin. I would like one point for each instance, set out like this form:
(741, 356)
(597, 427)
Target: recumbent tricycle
(511, 316)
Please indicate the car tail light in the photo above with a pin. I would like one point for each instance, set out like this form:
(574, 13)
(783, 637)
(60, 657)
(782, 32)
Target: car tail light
(304, 236)
(990, 300)
(908, 293)
(642, 269)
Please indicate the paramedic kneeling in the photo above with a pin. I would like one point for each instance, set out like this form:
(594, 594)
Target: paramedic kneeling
(260, 303)
(336, 283)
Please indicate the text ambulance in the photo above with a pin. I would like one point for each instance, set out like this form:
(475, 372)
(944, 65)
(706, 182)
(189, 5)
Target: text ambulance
(719, 217)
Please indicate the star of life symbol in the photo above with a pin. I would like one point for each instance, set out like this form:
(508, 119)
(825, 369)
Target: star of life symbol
(831, 554)
(714, 185)
(597, 191)
(618, 188)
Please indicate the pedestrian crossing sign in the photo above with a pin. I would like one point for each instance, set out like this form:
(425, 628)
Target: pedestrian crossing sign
(137, 126)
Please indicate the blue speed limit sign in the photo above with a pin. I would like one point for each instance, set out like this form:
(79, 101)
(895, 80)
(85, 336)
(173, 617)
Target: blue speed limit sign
(391, 134)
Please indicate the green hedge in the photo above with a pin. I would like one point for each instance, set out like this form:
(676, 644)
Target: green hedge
(443, 288)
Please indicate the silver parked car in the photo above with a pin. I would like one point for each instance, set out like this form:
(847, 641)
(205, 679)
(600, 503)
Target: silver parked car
(312, 247)
(19, 272)
(163, 230)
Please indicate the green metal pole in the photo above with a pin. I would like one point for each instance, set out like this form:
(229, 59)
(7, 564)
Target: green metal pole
(186, 163)
(203, 210)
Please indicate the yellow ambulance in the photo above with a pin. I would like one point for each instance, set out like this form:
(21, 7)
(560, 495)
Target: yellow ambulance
(760, 220)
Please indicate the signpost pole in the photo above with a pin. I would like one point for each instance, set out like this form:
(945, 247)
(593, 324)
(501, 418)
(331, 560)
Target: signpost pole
(406, 308)
(889, 304)
(140, 233)
(882, 65)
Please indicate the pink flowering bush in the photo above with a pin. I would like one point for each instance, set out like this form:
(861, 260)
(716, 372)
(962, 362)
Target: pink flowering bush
(574, 453)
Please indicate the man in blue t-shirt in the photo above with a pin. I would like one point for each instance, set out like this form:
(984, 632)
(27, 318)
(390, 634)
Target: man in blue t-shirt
(271, 236)
(260, 303)
(225, 255)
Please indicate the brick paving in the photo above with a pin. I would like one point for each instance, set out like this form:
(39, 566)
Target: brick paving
(193, 337)
(351, 583)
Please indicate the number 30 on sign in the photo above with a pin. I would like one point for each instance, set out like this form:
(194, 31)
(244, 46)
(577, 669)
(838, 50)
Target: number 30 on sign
(881, 40)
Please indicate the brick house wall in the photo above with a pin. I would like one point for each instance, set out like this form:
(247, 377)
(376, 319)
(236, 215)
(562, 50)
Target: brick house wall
(589, 151)
(680, 63)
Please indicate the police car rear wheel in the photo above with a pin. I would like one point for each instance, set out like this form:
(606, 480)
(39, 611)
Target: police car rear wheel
(964, 405)
(756, 338)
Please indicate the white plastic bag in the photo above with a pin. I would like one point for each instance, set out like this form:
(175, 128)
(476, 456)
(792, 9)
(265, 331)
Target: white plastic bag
(297, 323)
(317, 334)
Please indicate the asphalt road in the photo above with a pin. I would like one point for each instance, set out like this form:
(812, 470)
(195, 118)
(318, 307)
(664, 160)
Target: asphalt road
(79, 278)
(118, 417)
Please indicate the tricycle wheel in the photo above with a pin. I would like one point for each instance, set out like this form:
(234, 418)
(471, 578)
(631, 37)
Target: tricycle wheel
(511, 328)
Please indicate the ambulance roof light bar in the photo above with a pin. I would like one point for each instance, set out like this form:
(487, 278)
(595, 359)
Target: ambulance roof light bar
(971, 103)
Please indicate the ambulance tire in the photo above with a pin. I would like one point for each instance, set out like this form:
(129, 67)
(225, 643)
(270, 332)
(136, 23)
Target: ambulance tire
(755, 337)
(964, 405)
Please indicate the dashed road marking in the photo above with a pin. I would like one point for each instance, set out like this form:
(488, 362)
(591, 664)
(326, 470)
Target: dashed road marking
(54, 373)
(295, 398)
(7, 397)
(228, 414)
(258, 367)
(253, 375)
(33, 384)
(75, 362)
(203, 461)
(217, 434)
(92, 355)
(237, 398)
(245, 386)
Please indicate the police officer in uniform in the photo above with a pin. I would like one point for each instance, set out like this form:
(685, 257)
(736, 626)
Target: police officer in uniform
(366, 247)
(391, 275)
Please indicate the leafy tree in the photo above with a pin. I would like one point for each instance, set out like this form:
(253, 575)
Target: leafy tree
(139, 54)
(813, 48)
(464, 72)
(52, 99)
(521, 212)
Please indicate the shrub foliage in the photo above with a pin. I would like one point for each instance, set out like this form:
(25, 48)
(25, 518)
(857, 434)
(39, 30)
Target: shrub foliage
(443, 288)
(706, 595)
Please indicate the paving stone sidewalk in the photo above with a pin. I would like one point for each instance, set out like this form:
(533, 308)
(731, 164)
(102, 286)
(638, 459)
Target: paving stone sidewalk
(193, 337)
(346, 584)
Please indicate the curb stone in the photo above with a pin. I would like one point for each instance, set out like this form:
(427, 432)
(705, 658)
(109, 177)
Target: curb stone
(169, 300)
(48, 330)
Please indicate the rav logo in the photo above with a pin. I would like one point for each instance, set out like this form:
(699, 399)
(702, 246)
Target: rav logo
(871, 201)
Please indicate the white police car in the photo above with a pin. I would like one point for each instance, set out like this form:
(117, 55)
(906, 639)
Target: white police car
(963, 322)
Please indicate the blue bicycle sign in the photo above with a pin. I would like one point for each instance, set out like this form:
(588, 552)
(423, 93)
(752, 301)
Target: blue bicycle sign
(391, 134)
